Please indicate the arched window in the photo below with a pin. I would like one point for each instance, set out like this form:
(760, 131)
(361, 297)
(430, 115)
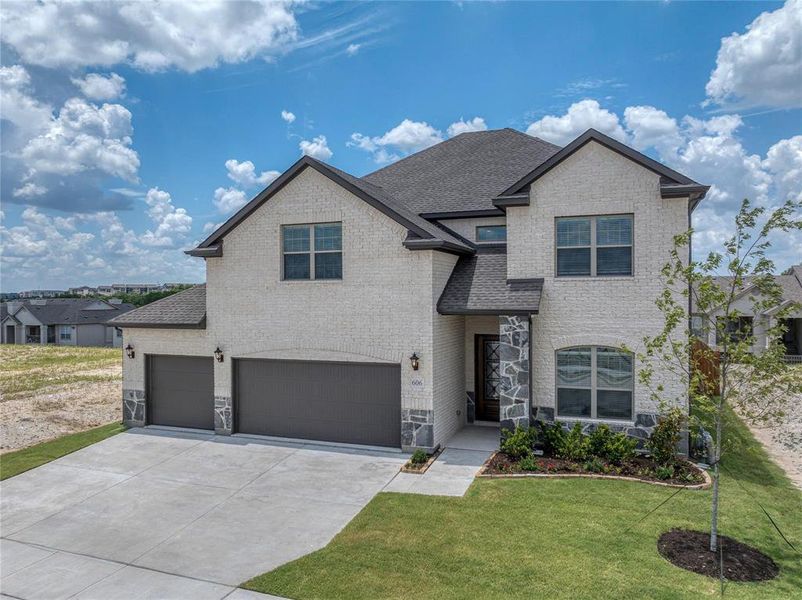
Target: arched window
(595, 382)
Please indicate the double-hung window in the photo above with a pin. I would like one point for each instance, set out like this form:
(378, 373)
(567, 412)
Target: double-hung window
(594, 246)
(594, 382)
(65, 333)
(312, 251)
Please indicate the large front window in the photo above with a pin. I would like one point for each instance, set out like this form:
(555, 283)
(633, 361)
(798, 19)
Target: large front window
(594, 382)
(65, 333)
(312, 251)
(594, 246)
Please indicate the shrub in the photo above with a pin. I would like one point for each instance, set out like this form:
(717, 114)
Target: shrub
(529, 463)
(620, 448)
(552, 435)
(519, 443)
(594, 465)
(419, 457)
(664, 472)
(662, 444)
(574, 445)
(598, 441)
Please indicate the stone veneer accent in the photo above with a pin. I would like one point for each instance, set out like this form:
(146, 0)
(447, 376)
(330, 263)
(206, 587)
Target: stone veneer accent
(514, 399)
(223, 415)
(470, 407)
(134, 408)
(417, 428)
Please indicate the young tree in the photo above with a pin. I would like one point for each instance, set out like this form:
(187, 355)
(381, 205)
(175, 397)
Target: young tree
(756, 382)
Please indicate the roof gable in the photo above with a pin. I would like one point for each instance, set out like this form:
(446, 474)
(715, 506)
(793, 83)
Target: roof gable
(418, 227)
(591, 135)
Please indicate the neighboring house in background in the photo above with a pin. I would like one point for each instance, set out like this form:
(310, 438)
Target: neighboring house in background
(84, 290)
(748, 323)
(493, 278)
(61, 321)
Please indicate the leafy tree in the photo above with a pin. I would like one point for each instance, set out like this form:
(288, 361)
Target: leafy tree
(756, 382)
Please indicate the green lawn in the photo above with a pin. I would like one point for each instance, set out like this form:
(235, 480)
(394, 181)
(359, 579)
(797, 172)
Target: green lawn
(14, 463)
(25, 369)
(549, 538)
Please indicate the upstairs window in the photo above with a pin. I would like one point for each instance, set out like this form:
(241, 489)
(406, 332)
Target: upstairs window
(594, 246)
(312, 251)
(491, 233)
(594, 382)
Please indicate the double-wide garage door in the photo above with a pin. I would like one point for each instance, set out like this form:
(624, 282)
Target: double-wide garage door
(356, 403)
(181, 391)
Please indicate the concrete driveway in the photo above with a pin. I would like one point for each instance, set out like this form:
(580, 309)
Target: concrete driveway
(163, 514)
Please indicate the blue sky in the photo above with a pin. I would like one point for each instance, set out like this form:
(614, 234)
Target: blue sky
(125, 138)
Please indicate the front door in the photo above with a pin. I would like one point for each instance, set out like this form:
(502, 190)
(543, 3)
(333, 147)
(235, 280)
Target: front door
(487, 377)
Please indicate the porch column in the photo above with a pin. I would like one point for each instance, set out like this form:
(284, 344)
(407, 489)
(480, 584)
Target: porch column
(514, 396)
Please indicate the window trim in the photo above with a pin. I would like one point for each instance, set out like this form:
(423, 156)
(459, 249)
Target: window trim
(594, 246)
(311, 252)
(493, 225)
(594, 388)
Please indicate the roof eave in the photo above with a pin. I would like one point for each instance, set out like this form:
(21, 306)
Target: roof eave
(215, 251)
(505, 202)
(486, 311)
(199, 325)
(435, 244)
(694, 191)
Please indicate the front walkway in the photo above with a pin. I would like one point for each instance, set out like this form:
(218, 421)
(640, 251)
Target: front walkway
(454, 470)
(165, 514)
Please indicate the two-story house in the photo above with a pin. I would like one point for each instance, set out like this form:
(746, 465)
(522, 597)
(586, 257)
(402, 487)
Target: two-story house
(492, 278)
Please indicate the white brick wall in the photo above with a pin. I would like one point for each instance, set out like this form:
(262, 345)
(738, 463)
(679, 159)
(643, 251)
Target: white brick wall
(594, 311)
(449, 386)
(467, 227)
(382, 309)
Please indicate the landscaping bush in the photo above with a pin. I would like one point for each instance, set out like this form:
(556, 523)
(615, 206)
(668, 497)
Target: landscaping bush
(418, 457)
(664, 472)
(594, 465)
(662, 444)
(575, 445)
(552, 436)
(599, 440)
(519, 443)
(528, 463)
(620, 448)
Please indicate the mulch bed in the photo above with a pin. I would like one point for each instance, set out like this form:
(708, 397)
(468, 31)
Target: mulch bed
(640, 467)
(691, 550)
(420, 468)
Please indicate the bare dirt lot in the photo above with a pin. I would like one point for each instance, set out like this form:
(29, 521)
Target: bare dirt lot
(784, 442)
(50, 391)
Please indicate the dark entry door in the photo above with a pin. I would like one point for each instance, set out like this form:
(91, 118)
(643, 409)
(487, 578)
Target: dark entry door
(356, 403)
(487, 377)
(11, 334)
(181, 391)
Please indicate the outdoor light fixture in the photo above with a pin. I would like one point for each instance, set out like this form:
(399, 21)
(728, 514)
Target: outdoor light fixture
(218, 354)
(415, 360)
(129, 351)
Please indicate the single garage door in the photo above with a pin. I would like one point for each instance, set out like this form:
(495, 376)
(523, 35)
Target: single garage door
(181, 391)
(354, 403)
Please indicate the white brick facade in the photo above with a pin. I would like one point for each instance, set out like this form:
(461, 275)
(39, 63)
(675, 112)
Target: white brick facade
(609, 311)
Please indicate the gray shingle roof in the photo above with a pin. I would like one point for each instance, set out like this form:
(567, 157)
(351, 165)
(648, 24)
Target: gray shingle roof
(791, 284)
(479, 285)
(184, 310)
(72, 311)
(464, 172)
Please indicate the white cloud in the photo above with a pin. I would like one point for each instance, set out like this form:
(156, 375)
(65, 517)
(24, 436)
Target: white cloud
(244, 174)
(29, 190)
(172, 224)
(406, 137)
(764, 65)
(652, 127)
(28, 115)
(149, 35)
(228, 200)
(317, 147)
(580, 117)
(352, 49)
(287, 116)
(784, 162)
(461, 126)
(85, 137)
(100, 87)
(210, 226)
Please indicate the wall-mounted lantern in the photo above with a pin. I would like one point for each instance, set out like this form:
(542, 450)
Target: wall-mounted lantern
(129, 351)
(415, 360)
(218, 355)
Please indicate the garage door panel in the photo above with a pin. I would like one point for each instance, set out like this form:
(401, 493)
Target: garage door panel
(181, 391)
(341, 402)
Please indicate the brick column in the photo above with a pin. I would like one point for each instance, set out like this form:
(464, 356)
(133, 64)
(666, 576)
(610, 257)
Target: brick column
(514, 396)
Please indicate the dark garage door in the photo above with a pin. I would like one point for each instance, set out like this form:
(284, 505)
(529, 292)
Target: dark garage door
(355, 403)
(181, 391)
